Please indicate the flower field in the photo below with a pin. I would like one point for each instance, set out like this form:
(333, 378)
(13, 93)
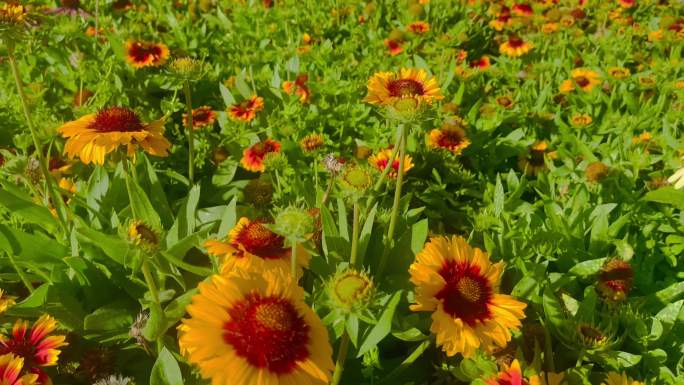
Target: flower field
(390, 192)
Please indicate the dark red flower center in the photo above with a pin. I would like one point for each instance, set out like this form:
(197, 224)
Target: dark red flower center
(450, 139)
(262, 148)
(260, 241)
(116, 119)
(56, 163)
(73, 4)
(268, 333)
(21, 347)
(466, 294)
(536, 157)
(523, 9)
(142, 52)
(515, 41)
(582, 81)
(405, 87)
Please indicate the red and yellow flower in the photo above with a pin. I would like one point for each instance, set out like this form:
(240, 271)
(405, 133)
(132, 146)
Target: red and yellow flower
(460, 286)
(450, 137)
(253, 156)
(585, 79)
(37, 347)
(201, 117)
(250, 244)
(143, 54)
(5, 301)
(298, 87)
(93, 136)
(387, 88)
(534, 161)
(510, 375)
(246, 110)
(614, 378)
(11, 368)
(515, 46)
(394, 46)
(419, 27)
(254, 328)
(482, 63)
(380, 159)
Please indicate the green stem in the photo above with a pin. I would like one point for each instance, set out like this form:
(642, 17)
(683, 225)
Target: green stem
(55, 197)
(20, 273)
(129, 188)
(147, 273)
(394, 215)
(293, 260)
(397, 191)
(355, 236)
(388, 167)
(341, 358)
(189, 129)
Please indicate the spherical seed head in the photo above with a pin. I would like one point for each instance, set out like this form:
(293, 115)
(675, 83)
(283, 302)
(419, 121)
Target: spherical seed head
(333, 164)
(294, 223)
(350, 290)
(187, 68)
(356, 178)
(259, 192)
(275, 161)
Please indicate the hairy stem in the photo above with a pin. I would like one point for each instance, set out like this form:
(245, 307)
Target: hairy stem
(189, 129)
(51, 187)
(341, 358)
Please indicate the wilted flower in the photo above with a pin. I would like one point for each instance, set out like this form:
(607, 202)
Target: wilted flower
(311, 142)
(596, 171)
(615, 280)
(333, 164)
(115, 380)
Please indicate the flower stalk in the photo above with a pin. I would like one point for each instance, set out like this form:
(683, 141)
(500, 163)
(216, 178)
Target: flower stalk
(341, 358)
(189, 129)
(51, 187)
(394, 215)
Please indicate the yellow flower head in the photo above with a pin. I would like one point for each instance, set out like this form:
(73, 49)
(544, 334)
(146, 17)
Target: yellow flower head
(585, 79)
(614, 378)
(450, 137)
(460, 286)
(5, 301)
(515, 46)
(250, 244)
(93, 136)
(254, 328)
(380, 159)
(388, 88)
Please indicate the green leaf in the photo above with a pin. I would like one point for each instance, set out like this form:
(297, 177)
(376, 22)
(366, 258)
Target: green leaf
(114, 316)
(166, 370)
(185, 219)
(667, 195)
(242, 87)
(229, 218)
(36, 299)
(587, 268)
(498, 197)
(331, 236)
(142, 207)
(555, 316)
(113, 246)
(228, 98)
(365, 235)
(419, 232)
(21, 205)
(383, 327)
(31, 247)
(158, 195)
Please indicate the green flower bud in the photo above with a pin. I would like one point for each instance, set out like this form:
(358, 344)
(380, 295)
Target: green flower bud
(294, 223)
(350, 290)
